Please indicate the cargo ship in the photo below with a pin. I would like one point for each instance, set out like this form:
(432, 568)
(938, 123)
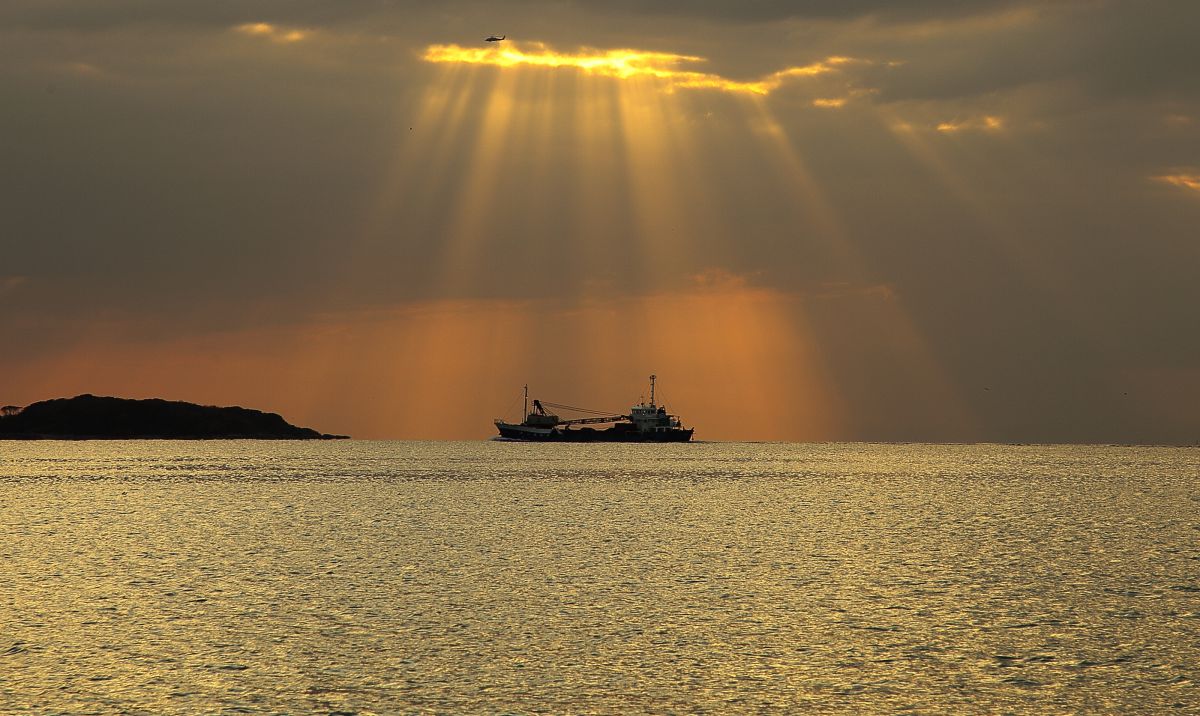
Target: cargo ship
(647, 422)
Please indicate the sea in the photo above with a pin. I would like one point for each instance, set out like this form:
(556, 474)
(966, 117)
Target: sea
(357, 577)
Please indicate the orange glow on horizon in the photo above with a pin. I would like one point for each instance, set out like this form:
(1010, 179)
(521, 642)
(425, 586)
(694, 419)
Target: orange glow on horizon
(445, 369)
(645, 203)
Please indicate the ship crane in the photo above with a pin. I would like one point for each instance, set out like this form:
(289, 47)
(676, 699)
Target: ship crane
(589, 421)
(597, 416)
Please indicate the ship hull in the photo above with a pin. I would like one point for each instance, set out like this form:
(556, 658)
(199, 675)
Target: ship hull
(615, 434)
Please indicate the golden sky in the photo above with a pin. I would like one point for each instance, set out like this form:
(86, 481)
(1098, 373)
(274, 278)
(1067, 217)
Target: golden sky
(812, 220)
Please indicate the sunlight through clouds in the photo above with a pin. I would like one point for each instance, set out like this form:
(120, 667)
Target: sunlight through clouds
(627, 64)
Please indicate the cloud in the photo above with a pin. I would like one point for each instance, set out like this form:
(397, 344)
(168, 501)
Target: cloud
(773, 10)
(841, 290)
(102, 15)
(1086, 49)
(9, 284)
(1184, 180)
(112, 13)
(989, 123)
(627, 64)
(272, 32)
(829, 102)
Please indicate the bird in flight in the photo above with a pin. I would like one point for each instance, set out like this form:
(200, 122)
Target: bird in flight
(494, 38)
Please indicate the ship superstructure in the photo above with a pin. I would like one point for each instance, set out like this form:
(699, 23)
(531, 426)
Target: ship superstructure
(646, 422)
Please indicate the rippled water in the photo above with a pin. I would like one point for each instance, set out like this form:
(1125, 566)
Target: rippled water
(278, 577)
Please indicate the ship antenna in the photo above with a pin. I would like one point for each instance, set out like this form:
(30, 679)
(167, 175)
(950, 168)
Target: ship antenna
(652, 379)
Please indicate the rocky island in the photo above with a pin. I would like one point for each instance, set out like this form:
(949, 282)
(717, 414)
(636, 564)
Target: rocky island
(87, 417)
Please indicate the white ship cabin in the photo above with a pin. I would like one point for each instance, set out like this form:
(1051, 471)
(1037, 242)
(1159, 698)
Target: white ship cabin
(649, 417)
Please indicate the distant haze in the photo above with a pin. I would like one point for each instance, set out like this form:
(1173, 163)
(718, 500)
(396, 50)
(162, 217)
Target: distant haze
(812, 220)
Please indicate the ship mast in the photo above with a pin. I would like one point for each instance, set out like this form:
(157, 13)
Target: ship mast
(525, 415)
(652, 379)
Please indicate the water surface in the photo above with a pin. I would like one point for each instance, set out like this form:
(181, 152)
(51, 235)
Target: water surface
(383, 577)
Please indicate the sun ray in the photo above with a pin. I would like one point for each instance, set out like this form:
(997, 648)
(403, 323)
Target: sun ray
(638, 153)
(951, 155)
(666, 199)
(940, 159)
(599, 165)
(435, 138)
(475, 205)
(424, 141)
(895, 330)
(813, 208)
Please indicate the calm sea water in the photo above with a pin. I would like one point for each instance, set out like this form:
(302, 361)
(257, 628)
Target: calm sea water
(389, 577)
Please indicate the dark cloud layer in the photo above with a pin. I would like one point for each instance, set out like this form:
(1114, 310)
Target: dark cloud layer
(108, 13)
(999, 170)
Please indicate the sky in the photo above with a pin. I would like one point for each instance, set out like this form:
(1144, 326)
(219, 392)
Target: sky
(813, 220)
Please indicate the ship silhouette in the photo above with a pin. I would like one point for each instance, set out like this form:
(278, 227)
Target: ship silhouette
(647, 422)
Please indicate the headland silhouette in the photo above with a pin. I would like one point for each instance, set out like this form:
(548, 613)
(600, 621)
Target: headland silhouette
(90, 417)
